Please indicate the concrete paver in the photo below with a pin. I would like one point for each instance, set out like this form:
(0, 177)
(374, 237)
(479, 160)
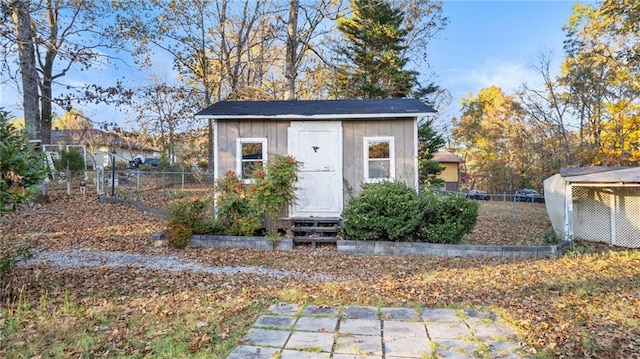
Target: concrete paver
(309, 341)
(296, 354)
(289, 331)
(266, 337)
(320, 325)
(408, 314)
(320, 311)
(356, 356)
(398, 330)
(360, 326)
(360, 312)
(448, 330)
(274, 321)
(457, 349)
(358, 344)
(252, 352)
(407, 347)
(441, 315)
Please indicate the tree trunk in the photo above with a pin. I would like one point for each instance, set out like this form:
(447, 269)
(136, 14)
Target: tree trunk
(45, 103)
(292, 45)
(28, 72)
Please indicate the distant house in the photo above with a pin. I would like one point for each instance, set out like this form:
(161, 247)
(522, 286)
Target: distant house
(341, 143)
(451, 172)
(600, 204)
(99, 146)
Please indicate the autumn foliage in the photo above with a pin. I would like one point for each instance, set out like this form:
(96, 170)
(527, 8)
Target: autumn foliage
(585, 304)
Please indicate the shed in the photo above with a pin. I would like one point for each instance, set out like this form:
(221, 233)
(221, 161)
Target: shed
(600, 204)
(341, 144)
(451, 169)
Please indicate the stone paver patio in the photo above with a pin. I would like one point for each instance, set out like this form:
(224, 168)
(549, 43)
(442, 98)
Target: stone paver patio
(288, 331)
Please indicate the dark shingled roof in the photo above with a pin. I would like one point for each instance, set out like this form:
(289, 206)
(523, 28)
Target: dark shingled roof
(316, 108)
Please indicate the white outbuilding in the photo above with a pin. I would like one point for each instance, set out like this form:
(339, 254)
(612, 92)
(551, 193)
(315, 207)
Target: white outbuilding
(600, 204)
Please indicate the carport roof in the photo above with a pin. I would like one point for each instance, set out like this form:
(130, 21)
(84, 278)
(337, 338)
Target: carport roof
(601, 174)
(317, 109)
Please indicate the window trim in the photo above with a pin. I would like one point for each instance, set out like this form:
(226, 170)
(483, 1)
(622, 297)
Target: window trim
(392, 158)
(239, 161)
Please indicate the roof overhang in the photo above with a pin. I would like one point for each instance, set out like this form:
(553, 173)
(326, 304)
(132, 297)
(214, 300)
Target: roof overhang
(614, 176)
(309, 110)
(353, 116)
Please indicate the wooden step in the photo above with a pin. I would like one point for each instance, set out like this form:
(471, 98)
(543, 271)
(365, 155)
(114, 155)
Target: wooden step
(314, 229)
(317, 222)
(315, 239)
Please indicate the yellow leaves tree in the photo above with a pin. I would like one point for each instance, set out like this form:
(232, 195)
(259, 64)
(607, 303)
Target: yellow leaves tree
(621, 135)
(491, 136)
(72, 120)
(602, 74)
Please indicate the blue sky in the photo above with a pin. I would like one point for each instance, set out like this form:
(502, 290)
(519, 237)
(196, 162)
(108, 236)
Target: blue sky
(486, 43)
(495, 43)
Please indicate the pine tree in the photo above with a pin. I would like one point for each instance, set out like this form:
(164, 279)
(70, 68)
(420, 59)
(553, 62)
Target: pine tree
(374, 50)
(429, 142)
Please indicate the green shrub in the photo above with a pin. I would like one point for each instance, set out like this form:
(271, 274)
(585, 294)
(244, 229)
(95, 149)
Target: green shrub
(195, 213)
(243, 209)
(71, 158)
(383, 211)
(550, 238)
(236, 213)
(446, 219)
(187, 211)
(179, 235)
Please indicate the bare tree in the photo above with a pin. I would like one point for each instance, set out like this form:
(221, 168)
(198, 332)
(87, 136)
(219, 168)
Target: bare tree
(23, 36)
(52, 36)
(165, 110)
(548, 112)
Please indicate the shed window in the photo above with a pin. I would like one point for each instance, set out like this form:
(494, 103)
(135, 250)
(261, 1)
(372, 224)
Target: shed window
(252, 156)
(379, 161)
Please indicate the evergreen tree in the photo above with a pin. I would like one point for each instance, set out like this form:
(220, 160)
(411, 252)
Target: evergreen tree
(374, 52)
(21, 167)
(429, 142)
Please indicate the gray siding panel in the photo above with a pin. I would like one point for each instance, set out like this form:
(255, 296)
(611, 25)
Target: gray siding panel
(230, 131)
(354, 132)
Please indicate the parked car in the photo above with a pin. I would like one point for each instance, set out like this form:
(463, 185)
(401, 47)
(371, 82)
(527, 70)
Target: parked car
(528, 195)
(477, 194)
(139, 160)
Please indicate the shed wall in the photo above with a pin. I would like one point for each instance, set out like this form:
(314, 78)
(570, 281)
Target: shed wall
(354, 132)
(229, 132)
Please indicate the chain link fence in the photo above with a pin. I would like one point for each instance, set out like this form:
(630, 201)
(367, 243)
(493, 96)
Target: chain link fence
(127, 181)
(496, 197)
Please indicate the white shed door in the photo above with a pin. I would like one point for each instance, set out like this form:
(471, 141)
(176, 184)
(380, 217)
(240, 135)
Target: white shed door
(318, 145)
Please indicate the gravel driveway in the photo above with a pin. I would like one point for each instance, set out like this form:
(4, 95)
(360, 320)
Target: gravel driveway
(79, 259)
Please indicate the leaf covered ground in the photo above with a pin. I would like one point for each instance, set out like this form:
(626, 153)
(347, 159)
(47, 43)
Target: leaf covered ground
(584, 304)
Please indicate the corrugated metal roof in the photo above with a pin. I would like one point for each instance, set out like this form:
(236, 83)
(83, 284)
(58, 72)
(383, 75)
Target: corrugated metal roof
(318, 109)
(601, 174)
(446, 156)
